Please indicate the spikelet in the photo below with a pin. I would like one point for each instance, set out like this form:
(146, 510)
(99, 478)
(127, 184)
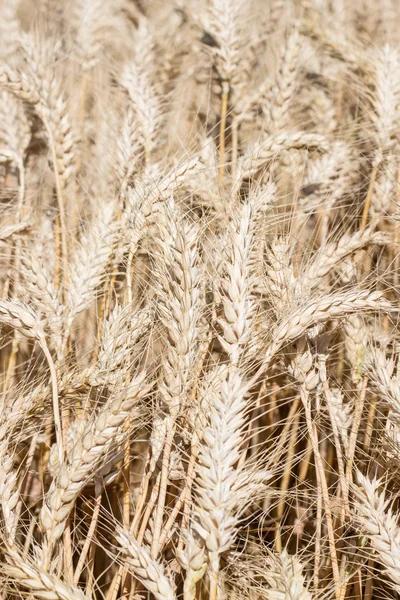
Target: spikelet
(16, 314)
(343, 415)
(265, 151)
(9, 493)
(281, 281)
(19, 84)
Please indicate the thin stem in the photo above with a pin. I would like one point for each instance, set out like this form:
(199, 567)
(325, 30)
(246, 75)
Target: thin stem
(370, 425)
(286, 480)
(126, 478)
(185, 493)
(305, 396)
(368, 199)
(163, 487)
(129, 274)
(369, 584)
(318, 528)
(359, 407)
(126, 473)
(98, 491)
(24, 483)
(146, 517)
(90, 575)
(61, 205)
(29, 537)
(122, 570)
(149, 509)
(56, 405)
(21, 188)
(140, 504)
(339, 453)
(222, 127)
(214, 577)
(16, 271)
(235, 149)
(11, 361)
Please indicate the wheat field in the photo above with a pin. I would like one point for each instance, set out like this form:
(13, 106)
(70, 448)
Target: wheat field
(199, 299)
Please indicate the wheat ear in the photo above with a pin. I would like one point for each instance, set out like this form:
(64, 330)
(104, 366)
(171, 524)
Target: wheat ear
(285, 577)
(37, 581)
(385, 117)
(280, 281)
(380, 523)
(260, 154)
(21, 317)
(19, 84)
(145, 568)
(385, 378)
(9, 494)
(336, 305)
(181, 306)
(194, 561)
(331, 254)
(137, 78)
(99, 434)
(222, 488)
(281, 95)
(236, 283)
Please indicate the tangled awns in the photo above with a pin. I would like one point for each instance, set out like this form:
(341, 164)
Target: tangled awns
(199, 299)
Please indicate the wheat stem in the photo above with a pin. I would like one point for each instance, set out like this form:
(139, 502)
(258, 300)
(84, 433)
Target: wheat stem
(367, 204)
(324, 490)
(155, 545)
(61, 205)
(222, 128)
(56, 404)
(91, 532)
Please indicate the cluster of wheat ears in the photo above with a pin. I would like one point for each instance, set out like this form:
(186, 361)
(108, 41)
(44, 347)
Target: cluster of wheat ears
(199, 299)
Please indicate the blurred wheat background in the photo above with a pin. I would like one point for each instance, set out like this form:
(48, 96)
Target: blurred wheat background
(199, 299)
